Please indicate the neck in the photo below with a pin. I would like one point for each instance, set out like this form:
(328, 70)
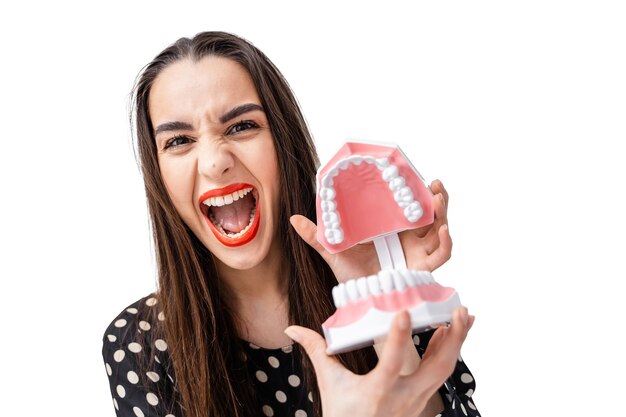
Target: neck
(259, 300)
(260, 282)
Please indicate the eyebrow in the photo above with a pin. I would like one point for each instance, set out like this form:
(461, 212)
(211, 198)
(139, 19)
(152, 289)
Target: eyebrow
(229, 115)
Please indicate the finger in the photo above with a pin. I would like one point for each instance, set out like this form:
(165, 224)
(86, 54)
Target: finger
(315, 347)
(437, 187)
(443, 252)
(307, 230)
(431, 238)
(392, 358)
(441, 209)
(440, 358)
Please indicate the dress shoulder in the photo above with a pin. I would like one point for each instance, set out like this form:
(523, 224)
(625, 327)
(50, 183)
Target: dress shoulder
(136, 361)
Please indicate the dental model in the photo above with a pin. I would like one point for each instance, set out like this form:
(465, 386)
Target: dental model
(372, 192)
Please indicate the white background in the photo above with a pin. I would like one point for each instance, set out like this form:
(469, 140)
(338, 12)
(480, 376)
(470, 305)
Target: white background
(518, 107)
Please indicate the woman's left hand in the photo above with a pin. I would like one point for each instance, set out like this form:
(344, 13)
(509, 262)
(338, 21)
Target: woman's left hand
(426, 248)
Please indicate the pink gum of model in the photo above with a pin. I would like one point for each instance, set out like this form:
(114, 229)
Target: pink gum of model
(363, 199)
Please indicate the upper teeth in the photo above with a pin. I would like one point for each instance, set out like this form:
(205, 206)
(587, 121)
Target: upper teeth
(384, 282)
(226, 199)
(402, 194)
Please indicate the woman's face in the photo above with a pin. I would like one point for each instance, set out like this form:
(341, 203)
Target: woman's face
(217, 158)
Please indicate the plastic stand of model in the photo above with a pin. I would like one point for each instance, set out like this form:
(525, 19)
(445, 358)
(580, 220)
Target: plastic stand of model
(372, 192)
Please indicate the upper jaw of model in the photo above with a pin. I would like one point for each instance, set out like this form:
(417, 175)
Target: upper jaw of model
(365, 179)
(372, 192)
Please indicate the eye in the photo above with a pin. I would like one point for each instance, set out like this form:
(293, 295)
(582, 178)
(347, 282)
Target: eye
(241, 126)
(176, 141)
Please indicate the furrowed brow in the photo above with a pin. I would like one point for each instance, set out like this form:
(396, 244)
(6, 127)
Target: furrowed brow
(239, 110)
(170, 126)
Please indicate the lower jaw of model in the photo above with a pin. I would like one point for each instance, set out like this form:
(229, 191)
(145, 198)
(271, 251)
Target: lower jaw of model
(243, 236)
(366, 307)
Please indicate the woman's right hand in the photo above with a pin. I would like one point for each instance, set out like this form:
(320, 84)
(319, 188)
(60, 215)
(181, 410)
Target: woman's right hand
(384, 391)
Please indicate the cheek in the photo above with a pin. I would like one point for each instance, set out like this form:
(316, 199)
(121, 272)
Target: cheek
(179, 184)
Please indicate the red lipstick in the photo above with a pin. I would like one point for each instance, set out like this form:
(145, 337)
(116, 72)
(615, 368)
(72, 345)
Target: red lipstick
(253, 227)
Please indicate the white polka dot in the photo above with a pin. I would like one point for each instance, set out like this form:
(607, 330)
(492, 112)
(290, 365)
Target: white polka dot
(471, 404)
(151, 301)
(460, 359)
(132, 310)
(273, 362)
(438, 415)
(287, 349)
(156, 358)
(132, 376)
(117, 407)
(267, 410)
(138, 412)
(261, 376)
(294, 381)
(144, 325)
(170, 415)
(109, 370)
(469, 392)
(119, 355)
(463, 409)
(153, 376)
(111, 338)
(311, 396)
(152, 399)
(253, 346)
(466, 378)
(281, 396)
(120, 391)
(134, 347)
(170, 377)
(161, 316)
(453, 404)
(416, 340)
(161, 345)
(120, 323)
(301, 413)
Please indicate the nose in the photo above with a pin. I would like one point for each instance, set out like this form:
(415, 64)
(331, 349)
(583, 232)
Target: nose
(215, 161)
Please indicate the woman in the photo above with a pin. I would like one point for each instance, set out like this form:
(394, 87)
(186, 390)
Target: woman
(228, 164)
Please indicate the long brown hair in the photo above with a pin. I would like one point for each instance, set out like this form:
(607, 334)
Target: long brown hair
(200, 330)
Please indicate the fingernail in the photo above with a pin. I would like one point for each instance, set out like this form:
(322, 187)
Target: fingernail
(292, 333)
(403, 321)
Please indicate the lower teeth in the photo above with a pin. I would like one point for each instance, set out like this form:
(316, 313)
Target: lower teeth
(229, 234)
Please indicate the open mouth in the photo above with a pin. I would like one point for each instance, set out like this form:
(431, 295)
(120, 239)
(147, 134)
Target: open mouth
(232, 213)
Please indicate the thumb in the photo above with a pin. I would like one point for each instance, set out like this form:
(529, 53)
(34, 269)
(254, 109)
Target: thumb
(308, 232)
(315, 347)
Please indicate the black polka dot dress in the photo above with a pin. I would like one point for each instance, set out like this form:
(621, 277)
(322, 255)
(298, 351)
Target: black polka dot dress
(142, 382)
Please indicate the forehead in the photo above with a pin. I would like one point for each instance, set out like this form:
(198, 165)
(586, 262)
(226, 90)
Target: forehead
(188, 89)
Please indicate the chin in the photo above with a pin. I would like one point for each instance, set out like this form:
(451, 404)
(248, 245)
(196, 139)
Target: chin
(243, 256)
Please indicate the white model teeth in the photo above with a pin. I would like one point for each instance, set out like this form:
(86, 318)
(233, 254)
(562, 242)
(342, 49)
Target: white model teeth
(398, 282)
(223, 200)
(361, 285)
(373, 285)
(384, 282)
(353, 293)
(402, 194)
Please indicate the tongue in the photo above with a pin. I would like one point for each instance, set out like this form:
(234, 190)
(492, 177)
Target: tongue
(236, 216)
